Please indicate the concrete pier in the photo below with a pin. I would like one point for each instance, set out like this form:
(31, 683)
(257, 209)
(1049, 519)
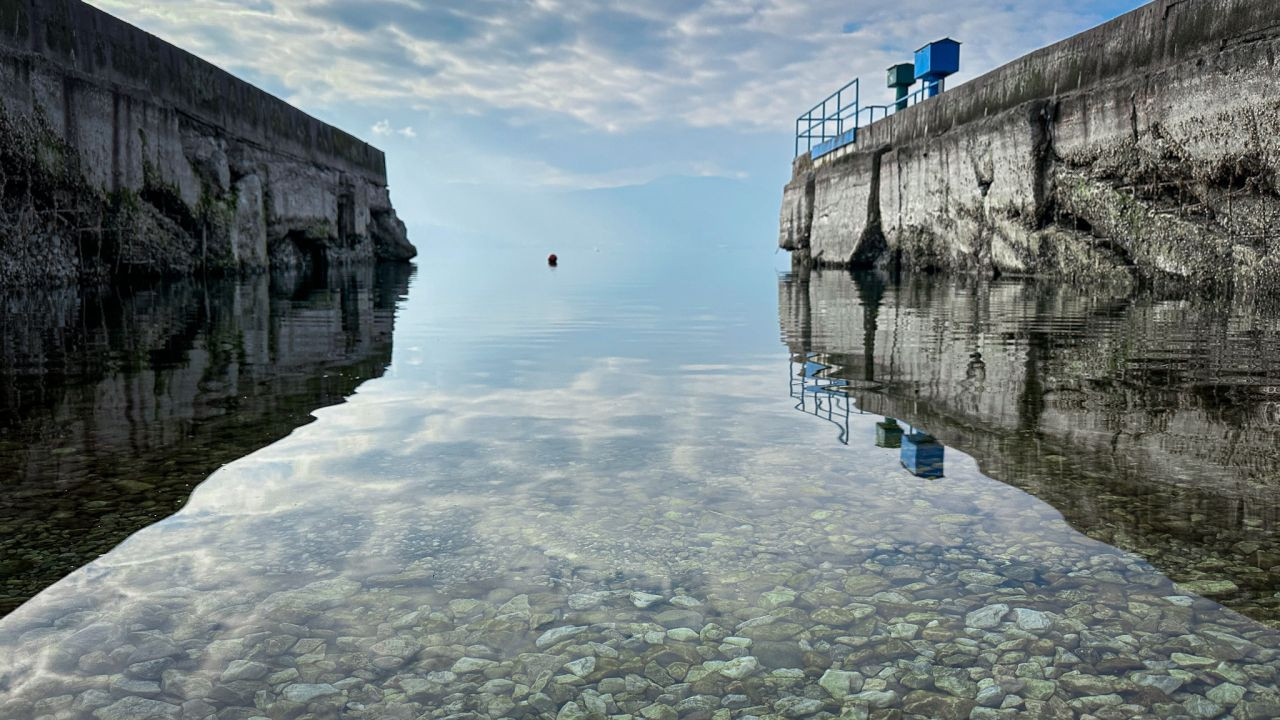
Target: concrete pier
(1145, 149)
(124, 155)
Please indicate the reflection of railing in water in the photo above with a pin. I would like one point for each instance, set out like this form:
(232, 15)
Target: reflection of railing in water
(830, 396)
(810, 379)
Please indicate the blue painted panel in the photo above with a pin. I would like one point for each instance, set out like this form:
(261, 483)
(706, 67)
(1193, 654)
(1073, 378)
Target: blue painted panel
(848, 138)
(813, 369)
(938, 59)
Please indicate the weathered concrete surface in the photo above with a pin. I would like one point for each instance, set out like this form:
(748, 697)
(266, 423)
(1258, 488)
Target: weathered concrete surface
(1146, 149)
(121, 154)
(1148, 422)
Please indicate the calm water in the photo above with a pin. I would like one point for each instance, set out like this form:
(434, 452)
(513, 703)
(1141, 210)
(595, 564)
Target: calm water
(611, 490)
(115, 404)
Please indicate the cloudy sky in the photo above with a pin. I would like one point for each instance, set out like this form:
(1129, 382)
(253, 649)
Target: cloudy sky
(532, 95)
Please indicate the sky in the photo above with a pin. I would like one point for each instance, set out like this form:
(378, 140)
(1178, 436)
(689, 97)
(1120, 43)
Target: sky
(480, 103)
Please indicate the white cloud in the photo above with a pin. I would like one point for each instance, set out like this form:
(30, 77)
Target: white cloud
(703, 63)
(383, 128)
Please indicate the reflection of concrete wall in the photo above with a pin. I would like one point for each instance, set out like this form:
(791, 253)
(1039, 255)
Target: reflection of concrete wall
(116, 404)
(1147, 423)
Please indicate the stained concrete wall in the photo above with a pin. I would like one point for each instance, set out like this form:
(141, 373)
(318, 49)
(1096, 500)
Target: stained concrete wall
(1143, 149)
(149, 160)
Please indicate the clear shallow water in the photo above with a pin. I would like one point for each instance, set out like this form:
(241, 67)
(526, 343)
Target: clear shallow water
(590, 492)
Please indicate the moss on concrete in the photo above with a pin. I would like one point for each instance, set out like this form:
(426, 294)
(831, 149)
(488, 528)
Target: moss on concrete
(50, 218)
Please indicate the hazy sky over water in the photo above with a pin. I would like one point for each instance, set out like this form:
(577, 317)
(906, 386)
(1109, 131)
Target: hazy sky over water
(569, 95)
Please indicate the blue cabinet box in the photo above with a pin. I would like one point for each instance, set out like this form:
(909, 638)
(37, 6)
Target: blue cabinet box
(922, 455)
(938, 60)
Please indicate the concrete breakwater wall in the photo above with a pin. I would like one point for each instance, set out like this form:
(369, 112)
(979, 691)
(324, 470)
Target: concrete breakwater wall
(122, 154)
(1146, 148)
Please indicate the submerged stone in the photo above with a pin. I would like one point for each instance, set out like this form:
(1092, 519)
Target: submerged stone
(1032, 620)
(1201, 707)
(1210, 588)
(305, 693)
(581, 667)
(1166, 684)
(797, 707)
(470, 665)
(987, 617)
(679, 617)
(643, 600)
(840, 683)
(558, 635)
(739, 668)
(1226, 694)
(136, 708)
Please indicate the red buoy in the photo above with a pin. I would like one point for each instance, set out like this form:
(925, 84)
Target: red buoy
(552, 260)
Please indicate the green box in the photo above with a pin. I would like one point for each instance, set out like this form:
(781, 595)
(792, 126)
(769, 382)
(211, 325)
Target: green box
(889, 434)
(903, 75)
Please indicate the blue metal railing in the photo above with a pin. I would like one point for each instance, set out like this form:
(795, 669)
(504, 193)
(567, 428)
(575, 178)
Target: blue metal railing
(824, 125)
(834, 122)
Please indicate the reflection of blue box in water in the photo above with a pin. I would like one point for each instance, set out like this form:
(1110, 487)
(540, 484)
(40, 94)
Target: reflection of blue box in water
(923, 455)
(888, 434)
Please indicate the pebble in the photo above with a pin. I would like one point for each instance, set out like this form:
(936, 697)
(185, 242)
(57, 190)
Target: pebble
(643, 600)
(136, 708)
(1191, 661)
(1033, 621)
(739, 668)
(877, 698)
(797, 707)
(1200, 707)
(840, 683)
(1228, 694)
(581, 667)
(469, 665)
(679, 617)
(558, 635)
(658, 712)
(988, 617)
(306, 693)
(244, 670)
(1166, 684)
(683, 635)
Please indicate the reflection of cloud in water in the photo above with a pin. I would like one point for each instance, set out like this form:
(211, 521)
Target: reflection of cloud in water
(625, 477)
